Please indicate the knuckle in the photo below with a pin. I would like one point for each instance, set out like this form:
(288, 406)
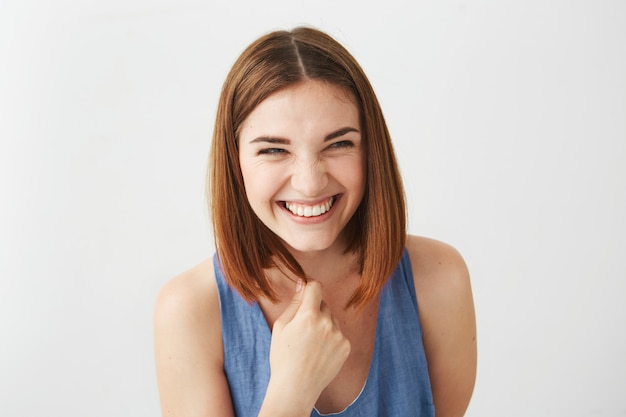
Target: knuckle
(327, 326)
(346, 347)
(316, 285)
(307, 316)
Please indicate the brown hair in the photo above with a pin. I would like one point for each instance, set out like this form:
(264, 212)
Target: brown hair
(246, 247)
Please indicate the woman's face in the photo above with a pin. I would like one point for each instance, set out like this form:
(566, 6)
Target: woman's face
(302, 162)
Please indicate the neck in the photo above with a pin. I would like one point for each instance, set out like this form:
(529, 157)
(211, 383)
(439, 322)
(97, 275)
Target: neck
(328, 267)
(336, 269)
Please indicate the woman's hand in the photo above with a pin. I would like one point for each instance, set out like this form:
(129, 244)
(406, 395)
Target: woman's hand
(306, 354)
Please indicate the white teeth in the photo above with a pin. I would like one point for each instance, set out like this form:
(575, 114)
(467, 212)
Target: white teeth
(310, 211)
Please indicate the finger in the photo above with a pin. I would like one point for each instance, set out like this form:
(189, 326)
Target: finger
(326, 312)
(294, 304)
(312, 297)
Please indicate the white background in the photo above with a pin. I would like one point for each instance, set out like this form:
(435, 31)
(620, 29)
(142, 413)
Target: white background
(509, 119)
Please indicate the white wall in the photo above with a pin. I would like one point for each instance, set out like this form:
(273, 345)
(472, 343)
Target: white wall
(509, 119)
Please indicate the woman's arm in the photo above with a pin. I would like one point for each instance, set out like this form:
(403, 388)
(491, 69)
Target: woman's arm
(447, 316)
(188, 347)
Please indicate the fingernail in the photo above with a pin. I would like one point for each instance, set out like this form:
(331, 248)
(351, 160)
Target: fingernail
(299, 285)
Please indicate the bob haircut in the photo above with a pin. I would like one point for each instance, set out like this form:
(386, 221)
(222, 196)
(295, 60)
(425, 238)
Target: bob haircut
(245, 246)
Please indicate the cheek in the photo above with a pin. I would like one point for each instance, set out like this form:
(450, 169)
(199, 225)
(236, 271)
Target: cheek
(359, 183)
(250, 182)
(260, 183)
(354, 174)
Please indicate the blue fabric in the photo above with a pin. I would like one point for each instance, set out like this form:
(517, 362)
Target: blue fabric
(397, 385)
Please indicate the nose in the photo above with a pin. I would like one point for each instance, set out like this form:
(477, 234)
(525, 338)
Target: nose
(309, 178)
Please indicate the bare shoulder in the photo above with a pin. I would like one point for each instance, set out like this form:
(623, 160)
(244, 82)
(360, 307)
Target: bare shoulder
(189, 295)
(436, 263)
(188, 345)
(446, 308)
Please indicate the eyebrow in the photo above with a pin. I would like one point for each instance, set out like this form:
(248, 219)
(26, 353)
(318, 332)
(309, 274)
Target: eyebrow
(283, 141)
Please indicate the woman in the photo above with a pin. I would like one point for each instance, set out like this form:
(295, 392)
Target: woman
(316, 302)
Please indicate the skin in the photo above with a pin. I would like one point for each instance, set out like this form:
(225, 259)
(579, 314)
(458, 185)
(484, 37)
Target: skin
(302, 146)
(320, 353)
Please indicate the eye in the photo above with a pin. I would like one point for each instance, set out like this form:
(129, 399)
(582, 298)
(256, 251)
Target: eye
(341, 144)
(271, 151)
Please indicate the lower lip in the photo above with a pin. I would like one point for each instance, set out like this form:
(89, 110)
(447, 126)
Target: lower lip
(312, 219)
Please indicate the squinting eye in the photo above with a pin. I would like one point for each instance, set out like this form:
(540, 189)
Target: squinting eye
(342, 144)
(271, 151)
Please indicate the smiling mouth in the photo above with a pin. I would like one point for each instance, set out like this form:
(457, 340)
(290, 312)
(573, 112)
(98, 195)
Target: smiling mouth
(305, 210)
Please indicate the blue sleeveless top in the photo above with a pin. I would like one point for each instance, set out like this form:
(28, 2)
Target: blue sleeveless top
(397, 384)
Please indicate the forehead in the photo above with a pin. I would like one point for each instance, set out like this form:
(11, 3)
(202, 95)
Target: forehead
(304, 107)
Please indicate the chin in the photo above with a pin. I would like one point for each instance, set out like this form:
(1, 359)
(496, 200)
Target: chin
(309, 245)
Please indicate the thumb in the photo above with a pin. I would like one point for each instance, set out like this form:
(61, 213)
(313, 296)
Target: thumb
(294, 304)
